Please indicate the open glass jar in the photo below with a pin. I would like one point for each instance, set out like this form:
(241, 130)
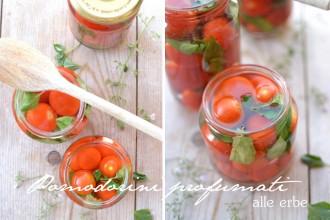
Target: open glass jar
(102, 24)
(248, 121)
(51, 116)
(264, 16)
(202, 39)
(93, 161)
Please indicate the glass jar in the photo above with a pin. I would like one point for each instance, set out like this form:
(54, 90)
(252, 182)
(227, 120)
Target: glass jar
(78, 158)
(264, 16)
(248, 121)
(102, 24)
(202, 39)
(51, 116)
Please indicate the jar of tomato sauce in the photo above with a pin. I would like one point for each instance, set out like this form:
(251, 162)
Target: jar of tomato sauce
(102, 24)
(264, 16)
(248, 121)
(97, 162)
(51, 116)
(202, 39)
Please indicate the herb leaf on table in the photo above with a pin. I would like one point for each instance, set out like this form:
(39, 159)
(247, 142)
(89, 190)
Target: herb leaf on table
(312, 161)
(319, 211)
(62, 58)
(139, 176)
(143, 214)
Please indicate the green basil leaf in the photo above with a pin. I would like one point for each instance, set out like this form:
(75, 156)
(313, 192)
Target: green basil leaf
(59, 48)
(64, 122)
(277, 149)
(120, 175)
(97, 175)
(270, 114)
(319, 211)
(213, 56)
(143, 214)
(312, 161)
(283, 127)
(277, 100)
(221, 137)
(88, 110)
(139, 176)
(70, 65)
(29, 100)
(261, 23)
(243, 150)
(187, 47)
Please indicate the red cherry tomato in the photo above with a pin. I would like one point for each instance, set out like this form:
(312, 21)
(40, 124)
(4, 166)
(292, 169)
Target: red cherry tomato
(214, 144)
(106, 194)
(42, 117)
(236, 86)
(278, 16)
(171, 69)
(266, 173)
(256, 7)
(228, 110)
(105, 150)
(191, 99)
(261, 139)
(266, 93)
(110, 165)
(178, 27)
(89, 158)
(171, 53)
(44, 97)
(64, 104)
(82, 179)
(221, 30)
(68, 74)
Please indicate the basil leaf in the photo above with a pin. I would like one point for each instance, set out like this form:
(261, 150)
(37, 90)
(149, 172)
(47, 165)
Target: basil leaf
(143, 214)
(277, 100)
(243, 150)
(319, 211)
(270, 114)
(221, 137)
(59, 48)
(213, 56)
(187, 47)
(312, 161)
(64, 122)
(70, 65)
(29, 100)
(283, 127)
(277, 149)
(97, 175)
(120, 175)
(139, 176)
(261, 23)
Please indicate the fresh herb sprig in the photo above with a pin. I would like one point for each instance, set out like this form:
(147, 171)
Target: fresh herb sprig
(62, 56)
(143, 214)
(313, 161)
(319, 211)
(21, 179)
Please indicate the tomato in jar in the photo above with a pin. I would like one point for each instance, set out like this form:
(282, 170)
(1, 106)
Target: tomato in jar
(202, 39)
(249, 138)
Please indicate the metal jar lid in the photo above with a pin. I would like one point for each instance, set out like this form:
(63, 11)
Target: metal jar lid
(106, 11)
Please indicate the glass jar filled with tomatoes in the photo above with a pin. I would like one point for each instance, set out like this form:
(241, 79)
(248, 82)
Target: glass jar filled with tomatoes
(100, 164)
(264, 16)
(202, 39)
(102, 24)
(248, 121)
(51, 116)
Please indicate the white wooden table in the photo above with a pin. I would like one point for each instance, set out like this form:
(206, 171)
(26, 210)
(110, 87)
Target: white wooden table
(302, 56)
(41, 23)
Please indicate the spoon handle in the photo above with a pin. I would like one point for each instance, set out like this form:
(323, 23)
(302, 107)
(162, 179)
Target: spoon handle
(113, 110)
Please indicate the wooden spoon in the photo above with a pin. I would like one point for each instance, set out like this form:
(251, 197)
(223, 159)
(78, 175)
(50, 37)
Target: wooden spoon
(25, 68)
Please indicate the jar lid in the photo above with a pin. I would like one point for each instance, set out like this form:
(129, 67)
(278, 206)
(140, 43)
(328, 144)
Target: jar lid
(189, 4)
(106, 11)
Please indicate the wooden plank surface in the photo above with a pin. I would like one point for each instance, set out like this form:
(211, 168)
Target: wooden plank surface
(296, 55)
(41, 24)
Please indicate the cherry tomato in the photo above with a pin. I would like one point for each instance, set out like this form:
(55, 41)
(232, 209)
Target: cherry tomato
(256, 7)
(68, 74)
(261, 139)
(191, 99)
(215, 145)
(266, 173)
(228, 110)
(105, 150)
(42, 117)
(82, 179)
(171, 69)
(236, 86)
(74, 164)
(280, 15)
(44, 97)
(106, 194)
(64, 104)
(178, 27)
(224, 166)
(266, 93)
(260, 81)
(221, 30)
(285, 160)
(110, 165)
(89, 158)
(171, 53)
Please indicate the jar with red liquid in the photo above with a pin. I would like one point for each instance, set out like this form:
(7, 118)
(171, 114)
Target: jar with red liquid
(248, 121)
(102, 24)
(202, 39)
(51, 116)
(99, 163)
(264, 16)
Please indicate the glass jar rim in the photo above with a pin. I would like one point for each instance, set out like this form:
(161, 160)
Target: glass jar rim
(216, 3)
(45, 134)
(238, 70)
(120, 151)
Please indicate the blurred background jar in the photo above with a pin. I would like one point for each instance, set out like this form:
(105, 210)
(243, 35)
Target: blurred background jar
(264, 16)
(102, 24)
(88, 161)
(51, 116)
(202, 39)
(259, 147)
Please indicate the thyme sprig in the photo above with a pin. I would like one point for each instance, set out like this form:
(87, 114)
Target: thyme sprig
(118, 85)
(320, 98)
(21, 179)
